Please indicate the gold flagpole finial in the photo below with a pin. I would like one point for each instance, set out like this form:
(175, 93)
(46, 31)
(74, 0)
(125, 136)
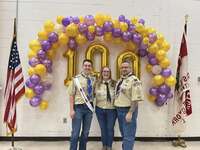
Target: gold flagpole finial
(186, 18)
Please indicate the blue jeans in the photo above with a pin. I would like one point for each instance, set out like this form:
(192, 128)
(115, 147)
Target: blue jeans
(82, 116)
(106, 119)
(127, 129)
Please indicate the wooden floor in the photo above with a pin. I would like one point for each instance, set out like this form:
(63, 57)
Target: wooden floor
(97, 146)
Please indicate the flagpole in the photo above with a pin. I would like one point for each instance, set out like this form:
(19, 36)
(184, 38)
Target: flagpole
(181, 142)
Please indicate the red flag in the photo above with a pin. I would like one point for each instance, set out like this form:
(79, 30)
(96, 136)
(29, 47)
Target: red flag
(14, 86)
(182, 89)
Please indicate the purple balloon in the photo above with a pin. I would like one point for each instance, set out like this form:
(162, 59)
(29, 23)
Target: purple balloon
(89, 20)
(121, 18)
(169, 95)
(82, 28)
(153, 61)
(153, 91)
(108, 26)
(142, 52)
(141, 21)
(116, 32)
(161, 99)
(29, 84)
(33, 61)
(164, 89)
(35, 79)
(47, 62)
(46, 45)
(136, 38)
(128, 21)
(72, 44)
(75, 20)
(41, 54)
(152, 37)
(39, 89)
(166, 72)
(126, 36)
(35, 101)
(53, 37)
(90, 36)
(131, 28)
(99, 31)
(47, 86)
(66, 21)
(150, 56)
(143, 46)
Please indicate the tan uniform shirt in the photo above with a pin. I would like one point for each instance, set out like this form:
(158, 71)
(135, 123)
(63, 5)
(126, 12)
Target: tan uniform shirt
(100, 91)
(130, 90)
(73, 91)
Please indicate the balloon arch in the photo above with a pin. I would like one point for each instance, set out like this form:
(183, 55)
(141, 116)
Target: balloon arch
(74, 31)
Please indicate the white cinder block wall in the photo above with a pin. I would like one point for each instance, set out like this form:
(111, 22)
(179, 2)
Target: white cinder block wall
(166, 16)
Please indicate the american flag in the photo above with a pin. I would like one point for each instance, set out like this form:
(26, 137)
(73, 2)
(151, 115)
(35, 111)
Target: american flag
(14, 87)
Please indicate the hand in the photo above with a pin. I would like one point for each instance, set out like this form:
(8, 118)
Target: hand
(129, 117)
(72, 114)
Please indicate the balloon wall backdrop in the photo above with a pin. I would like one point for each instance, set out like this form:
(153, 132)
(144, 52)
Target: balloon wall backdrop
(74, 31)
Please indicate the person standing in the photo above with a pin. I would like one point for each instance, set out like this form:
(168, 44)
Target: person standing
(81, 105)
(128, 94)
(105, 111)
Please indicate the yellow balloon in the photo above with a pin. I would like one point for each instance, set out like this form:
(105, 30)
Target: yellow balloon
(107, 18)
(146, 40)
(158, 80)
(59, 19)
(55, 45)
(99, 19)
(117, 40)
(35, 45)
(63, 38)
(151, 98)
(31, 71)
(40, 69)
(81, 18)
(72, 30)
(150, 30)
(116, 23)
(81, 39)
(108, 36)
(164, 63)
(139, 27)
(148, 68)
(153, 48)
(42, 35)
(49, 26)
(31, 54)
(165, 46)
(131, 46)
(123, 26)
(134, 20)
(160, 54)
(43, 105)
(91, 29)
(29, 93)
(170, 81)
(51, 54)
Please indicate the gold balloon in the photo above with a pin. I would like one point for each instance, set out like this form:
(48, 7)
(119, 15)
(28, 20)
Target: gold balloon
(165, 46)
(107, 36)
(31, 71)
(71, 65)
(128, 55)
(130, 46)
(117, 40)
(103, 50)
(59, 19)
(40, 69)
(139, 27)
(153, 48)
(81, 19)
(150, 30)
(42, 35)
(151, 98)
(81, 39)
(31, 54)
(160, 54)
(123, 26)
(91, 29)
(72, 30)
(149, 68)
(29, 93)
(164, 63)
(134, 20)
(49, 26)
(55, 45)
(170, 81)
(146, 40)
(63, 38)
(51, 54)
(158, 80)
(43, 105)
(35, 45)
(99, 19)
(116, 23)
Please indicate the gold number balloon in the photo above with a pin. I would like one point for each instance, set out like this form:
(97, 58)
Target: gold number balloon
(94, 48)
(128, 55)
(71, 66)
